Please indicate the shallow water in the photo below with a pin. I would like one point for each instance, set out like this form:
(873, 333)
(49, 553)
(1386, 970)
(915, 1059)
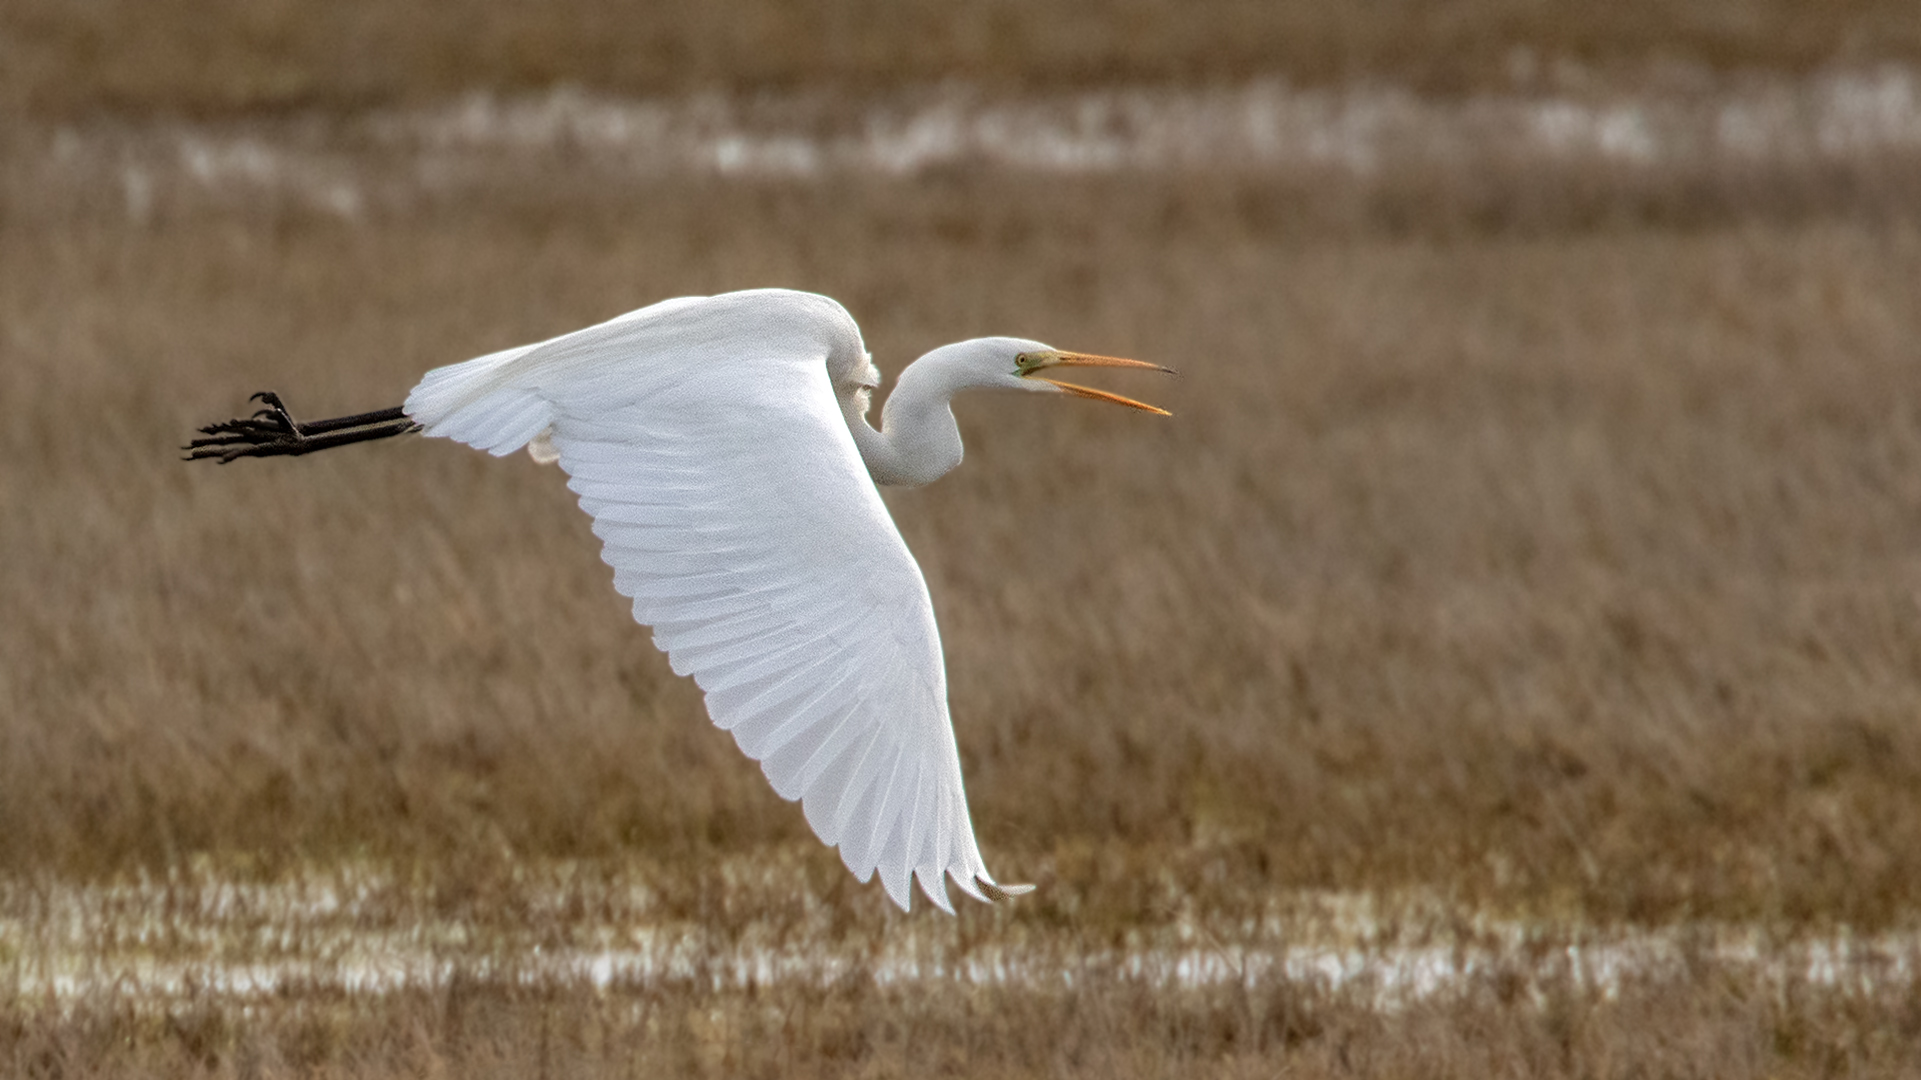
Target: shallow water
(1852, 119)
(362, 932)
(1263, 125)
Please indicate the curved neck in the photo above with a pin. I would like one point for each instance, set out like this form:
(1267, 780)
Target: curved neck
(919, 440)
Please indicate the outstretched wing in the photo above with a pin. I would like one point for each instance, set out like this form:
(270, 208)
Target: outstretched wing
(704, 438)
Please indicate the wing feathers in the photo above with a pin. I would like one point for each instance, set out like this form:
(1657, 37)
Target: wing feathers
(896, 878)
(779, 692)
(860, 823)
(934, 883)
(703, 437)
(773, 729)
(834, 780)
(883, 822)
(692, 634)
(783, 660)
(793, 767)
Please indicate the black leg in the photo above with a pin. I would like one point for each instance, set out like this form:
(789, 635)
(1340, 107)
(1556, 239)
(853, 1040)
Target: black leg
(273, 432)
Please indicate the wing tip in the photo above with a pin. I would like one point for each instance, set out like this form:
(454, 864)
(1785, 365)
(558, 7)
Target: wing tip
(1000, 894)
(933, 884)
(899, 888)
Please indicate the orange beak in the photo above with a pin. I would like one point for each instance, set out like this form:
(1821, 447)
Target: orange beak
(1029, 363)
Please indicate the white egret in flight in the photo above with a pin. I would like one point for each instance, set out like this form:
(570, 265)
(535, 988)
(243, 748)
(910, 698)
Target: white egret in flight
(722, 447)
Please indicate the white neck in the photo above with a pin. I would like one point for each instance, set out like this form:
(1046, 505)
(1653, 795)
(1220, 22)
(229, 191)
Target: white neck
(919, 440)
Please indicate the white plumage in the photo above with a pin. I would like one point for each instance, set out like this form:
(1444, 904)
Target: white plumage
(720, 445)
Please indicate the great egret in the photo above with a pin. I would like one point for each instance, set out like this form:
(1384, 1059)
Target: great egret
(722, 447)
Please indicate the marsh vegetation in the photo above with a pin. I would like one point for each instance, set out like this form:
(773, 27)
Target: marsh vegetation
(1534, 558)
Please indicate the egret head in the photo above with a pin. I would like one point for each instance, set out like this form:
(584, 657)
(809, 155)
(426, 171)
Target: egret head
(1005, 363)
(922, 441)
(1029, 362)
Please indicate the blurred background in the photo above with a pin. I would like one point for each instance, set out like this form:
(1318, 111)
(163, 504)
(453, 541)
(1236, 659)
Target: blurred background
(1546, 450)
(65, 58)
(1539, 525)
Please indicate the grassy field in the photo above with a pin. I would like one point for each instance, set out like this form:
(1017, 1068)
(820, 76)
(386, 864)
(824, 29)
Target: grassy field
(1562, 568)
(1569, 575)
(856, 1028)
(1580, 567)
(64, 57)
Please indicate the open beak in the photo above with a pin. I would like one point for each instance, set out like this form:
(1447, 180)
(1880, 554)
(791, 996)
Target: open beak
(1032, 362)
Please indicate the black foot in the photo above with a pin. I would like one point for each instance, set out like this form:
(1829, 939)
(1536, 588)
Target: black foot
(273, 431)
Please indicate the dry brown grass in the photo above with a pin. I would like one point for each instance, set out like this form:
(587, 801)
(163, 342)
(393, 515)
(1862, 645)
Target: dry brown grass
(66, 57)
(1557, 571)
(1544, 544)
(1684, 1027)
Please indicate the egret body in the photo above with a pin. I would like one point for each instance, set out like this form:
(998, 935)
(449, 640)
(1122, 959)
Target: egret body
(722, 447)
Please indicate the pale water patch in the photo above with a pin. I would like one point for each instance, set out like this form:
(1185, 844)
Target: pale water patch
(343, 165)
(1262, 126)
(360, 931)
